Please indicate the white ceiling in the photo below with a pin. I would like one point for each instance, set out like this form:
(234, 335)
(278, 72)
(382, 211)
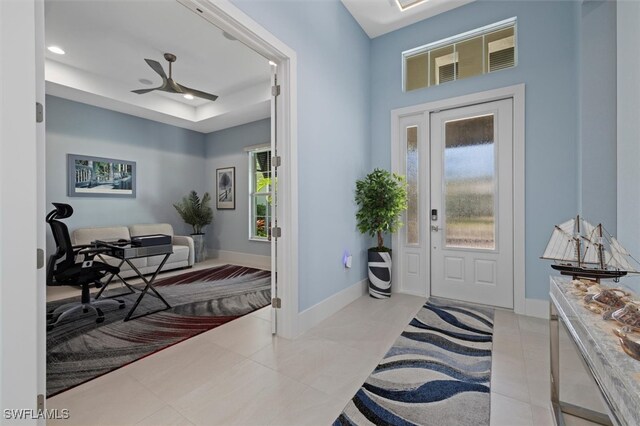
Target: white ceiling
(107, 41)
(377, 17)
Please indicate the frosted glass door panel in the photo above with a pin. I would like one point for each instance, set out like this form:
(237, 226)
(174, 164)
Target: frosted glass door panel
(413, 213)
(469, 183)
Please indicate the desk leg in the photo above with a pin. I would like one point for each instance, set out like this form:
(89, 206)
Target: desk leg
(106, 284)
(148, 286)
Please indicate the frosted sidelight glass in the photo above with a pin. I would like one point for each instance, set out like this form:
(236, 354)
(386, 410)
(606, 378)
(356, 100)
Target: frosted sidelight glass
(413, 213)
(470, 182)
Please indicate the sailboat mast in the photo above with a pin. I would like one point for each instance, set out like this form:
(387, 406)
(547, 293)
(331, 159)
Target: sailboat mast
(576, 238)
(600, 247)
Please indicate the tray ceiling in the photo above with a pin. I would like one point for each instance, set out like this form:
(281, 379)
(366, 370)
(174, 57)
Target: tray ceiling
(106, 43)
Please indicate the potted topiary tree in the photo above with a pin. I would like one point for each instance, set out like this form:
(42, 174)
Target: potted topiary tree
(197, 213)
(381, 197)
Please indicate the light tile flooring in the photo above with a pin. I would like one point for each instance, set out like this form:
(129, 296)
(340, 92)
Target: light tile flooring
(238, 374)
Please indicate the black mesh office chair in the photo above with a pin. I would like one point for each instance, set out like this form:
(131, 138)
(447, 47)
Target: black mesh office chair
(62, 269)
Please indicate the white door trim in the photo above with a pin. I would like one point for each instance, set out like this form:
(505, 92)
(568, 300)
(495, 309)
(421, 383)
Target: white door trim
(517, 93)
(232, 20)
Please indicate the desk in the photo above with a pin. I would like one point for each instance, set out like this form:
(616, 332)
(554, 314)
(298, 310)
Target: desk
(126, 252)
(616, 374)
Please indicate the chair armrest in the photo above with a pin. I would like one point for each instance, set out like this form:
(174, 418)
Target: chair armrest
(90, 251)
(183, 240)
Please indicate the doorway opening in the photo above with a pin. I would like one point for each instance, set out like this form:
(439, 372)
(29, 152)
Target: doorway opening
(280, 63)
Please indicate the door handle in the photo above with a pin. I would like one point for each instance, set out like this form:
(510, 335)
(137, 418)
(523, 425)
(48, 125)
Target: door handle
(435, 228)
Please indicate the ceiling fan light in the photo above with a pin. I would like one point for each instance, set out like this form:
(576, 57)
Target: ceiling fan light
(56, 49)
(188, 96)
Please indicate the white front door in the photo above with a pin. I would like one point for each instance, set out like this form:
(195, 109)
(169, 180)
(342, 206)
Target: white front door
(471, 206)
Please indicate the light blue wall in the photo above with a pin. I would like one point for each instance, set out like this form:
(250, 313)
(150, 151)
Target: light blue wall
(597, 75)
(225, 148)
(170, 162)
(628, 72)
(334, 135)
(547, 64)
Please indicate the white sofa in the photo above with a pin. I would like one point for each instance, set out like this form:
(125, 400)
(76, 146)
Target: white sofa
(183, 251)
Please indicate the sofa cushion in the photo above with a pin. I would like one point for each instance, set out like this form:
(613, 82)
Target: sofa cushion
(151, 229)
(180, 254)
(82, 236)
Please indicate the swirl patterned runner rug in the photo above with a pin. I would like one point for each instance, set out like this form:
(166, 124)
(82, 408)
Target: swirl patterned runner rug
(79, 350)
(437, 372)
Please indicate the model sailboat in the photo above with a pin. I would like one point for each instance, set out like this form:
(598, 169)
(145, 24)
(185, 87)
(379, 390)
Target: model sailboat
(583, 250)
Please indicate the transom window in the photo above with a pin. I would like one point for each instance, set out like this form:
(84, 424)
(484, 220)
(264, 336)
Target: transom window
(259, 193)
(475, 52)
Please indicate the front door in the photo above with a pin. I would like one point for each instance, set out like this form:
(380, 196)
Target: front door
(471, 206)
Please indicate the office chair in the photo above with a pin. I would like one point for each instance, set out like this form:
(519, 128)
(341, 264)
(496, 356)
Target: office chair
(62, 269)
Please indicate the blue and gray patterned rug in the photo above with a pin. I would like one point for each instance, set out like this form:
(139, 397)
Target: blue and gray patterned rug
(438, 372)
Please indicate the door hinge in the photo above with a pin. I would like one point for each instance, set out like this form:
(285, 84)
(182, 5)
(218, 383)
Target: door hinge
(40, 402)
(39, 112)
(39, 258)
(276, 232)
(275, 90)
(276, 303)
(276, 161)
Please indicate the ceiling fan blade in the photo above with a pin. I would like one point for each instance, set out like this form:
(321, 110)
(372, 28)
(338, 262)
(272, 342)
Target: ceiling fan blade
(155, 65)
(198, 93)
(143, 91)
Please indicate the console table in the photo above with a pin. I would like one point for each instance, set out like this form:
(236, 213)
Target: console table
(616, 374)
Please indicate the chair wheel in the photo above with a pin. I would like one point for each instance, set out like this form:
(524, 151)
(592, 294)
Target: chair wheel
(121, 306)
(99, 320)
(85, 310)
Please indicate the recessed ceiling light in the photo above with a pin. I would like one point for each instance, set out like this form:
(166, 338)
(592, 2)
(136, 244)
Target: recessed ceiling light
(145, 81)
(188, 96)
(55, 49)
(408, 4)
(273, 64)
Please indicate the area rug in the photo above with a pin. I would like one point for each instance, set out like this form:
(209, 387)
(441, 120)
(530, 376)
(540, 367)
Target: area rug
(79, 350)
(437, 372)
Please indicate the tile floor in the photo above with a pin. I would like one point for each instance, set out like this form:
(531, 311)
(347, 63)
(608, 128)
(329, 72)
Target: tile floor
(238, 374)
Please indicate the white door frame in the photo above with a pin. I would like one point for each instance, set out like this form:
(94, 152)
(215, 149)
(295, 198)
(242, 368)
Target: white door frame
(517, 93)
(232, 20)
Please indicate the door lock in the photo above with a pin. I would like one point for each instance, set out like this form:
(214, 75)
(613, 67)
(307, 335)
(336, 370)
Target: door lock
(435, 228)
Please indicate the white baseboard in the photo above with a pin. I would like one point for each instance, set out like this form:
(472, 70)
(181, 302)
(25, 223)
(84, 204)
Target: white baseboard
(323, 310)
(243, 259)
(537, 308)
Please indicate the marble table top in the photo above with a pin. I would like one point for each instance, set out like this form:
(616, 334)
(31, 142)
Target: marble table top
(617, 374)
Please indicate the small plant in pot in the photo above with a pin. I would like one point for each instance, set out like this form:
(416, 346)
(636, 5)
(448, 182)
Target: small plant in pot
(381, 197)
(197, 213)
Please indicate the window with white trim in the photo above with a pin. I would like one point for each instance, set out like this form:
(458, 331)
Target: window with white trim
(259, 193)
(480, 51)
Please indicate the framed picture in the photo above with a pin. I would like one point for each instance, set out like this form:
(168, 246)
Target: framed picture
(100, 177)
(226, 187)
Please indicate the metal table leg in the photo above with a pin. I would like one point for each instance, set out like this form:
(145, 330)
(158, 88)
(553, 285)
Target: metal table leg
(106, 284)
(148, 286)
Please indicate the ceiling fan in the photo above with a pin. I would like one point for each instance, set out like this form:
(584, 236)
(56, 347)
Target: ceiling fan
(169, 84)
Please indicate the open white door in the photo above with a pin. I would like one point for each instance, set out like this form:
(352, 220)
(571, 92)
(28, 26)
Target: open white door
(472, 203)
(274, 230)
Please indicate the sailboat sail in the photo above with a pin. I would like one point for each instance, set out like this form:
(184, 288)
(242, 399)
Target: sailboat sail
(590, 252)
(561, 244)
(619, 257)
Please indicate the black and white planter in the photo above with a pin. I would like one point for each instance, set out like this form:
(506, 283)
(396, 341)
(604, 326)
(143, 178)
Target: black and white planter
(379, 274)
(200, 249)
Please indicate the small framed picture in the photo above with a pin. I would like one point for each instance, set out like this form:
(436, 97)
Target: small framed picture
(226, 187)
(100, 177)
